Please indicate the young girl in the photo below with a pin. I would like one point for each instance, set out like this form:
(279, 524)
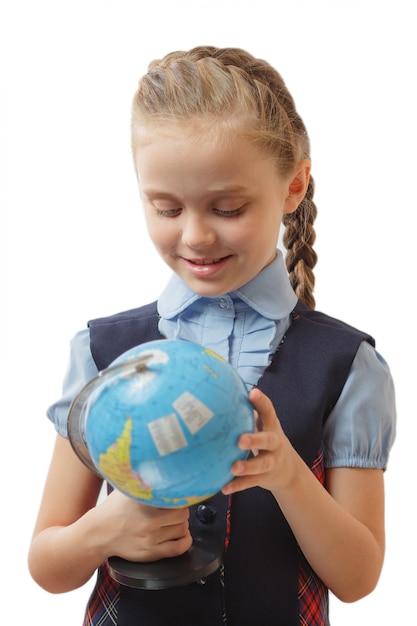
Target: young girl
(222, 159)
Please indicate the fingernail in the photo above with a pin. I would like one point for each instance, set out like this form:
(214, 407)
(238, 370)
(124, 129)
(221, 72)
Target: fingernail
(245, 441)
(239, 468)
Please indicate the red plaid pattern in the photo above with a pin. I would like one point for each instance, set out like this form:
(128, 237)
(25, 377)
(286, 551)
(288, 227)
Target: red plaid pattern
(102, 606)
(313, 596)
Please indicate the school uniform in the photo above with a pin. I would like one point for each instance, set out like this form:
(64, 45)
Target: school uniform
(313, 368)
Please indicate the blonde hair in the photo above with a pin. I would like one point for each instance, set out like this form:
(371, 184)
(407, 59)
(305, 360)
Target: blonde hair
(230, 86)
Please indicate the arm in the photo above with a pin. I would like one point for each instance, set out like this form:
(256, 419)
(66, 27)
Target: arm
(340, 528)
(73, 535)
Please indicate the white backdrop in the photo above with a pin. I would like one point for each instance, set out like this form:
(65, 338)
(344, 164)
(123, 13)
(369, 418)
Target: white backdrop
(74, 244)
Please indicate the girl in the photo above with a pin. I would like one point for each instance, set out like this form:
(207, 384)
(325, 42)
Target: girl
(222, 159)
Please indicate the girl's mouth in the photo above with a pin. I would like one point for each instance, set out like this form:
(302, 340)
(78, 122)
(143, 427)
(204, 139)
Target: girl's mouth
(204, 261)
(206, 267)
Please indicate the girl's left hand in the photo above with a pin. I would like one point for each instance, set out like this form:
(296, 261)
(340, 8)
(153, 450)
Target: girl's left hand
(340, 528)
(272, 465)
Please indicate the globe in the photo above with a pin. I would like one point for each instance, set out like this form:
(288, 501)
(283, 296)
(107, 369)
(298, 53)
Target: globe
(162, 423)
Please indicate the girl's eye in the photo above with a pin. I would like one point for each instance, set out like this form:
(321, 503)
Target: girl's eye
(168, 212)
(224, 213)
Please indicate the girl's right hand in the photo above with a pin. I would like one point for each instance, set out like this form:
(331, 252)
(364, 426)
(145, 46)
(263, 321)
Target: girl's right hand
(142, 533)
(74, 535)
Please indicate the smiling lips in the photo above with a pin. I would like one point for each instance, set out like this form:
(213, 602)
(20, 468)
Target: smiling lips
(206, 267)
(204, 261)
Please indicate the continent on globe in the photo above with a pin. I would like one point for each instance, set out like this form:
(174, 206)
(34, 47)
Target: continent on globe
(116, 465)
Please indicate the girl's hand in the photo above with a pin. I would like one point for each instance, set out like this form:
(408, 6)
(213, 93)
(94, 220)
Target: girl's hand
(340, 528)
(271, 467)
(73, 535)
(143, 533)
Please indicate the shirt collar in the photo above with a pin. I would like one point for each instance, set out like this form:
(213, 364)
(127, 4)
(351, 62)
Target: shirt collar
(269, 293)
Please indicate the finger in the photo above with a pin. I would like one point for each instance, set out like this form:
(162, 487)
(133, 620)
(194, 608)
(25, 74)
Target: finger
(240, 484)
(264, 409)
(173, 533)
(257, 465)
(167, 517)
(169, 548)
(262, 404)
(264, 440)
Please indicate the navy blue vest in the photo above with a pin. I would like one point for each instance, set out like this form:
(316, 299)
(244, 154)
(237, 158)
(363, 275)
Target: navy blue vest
(261, 567)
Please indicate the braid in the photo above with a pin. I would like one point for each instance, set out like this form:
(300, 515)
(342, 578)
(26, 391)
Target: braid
(299, 237)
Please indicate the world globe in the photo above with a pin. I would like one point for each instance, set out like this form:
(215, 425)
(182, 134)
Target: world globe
(162, 423)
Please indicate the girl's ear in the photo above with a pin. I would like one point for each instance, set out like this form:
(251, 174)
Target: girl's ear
(297, 187)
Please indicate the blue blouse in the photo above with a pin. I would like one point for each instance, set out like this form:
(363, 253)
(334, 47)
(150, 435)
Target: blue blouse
(245, 327)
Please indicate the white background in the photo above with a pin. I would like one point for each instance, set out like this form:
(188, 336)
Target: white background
(73, 239)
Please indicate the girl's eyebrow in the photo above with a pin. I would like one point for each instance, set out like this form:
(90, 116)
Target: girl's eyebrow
(227, 189)
(150, 191)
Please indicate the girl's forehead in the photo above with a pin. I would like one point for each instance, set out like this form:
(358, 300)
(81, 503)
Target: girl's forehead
(193, 161)
(206, 127)
(193, 147)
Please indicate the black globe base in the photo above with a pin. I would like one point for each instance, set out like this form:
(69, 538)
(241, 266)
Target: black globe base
(196, 564)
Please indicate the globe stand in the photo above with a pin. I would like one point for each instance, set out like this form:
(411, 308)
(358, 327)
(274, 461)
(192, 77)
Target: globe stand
(195, 565)
(206, 553)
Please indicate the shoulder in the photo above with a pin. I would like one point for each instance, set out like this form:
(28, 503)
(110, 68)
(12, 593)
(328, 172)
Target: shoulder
(145, 311)
(322, 325)
(112, 335)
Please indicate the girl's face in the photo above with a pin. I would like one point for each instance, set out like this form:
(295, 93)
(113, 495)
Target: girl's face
(213, 205)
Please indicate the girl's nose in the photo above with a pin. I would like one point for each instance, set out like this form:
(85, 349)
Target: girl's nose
(197, 232)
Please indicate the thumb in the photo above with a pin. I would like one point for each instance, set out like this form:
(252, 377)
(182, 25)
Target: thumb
(265, 411)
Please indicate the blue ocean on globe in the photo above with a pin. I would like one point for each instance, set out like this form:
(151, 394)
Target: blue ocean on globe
(163, 425)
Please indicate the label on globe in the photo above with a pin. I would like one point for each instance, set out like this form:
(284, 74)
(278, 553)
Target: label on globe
(167, 434)
(193, 412)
